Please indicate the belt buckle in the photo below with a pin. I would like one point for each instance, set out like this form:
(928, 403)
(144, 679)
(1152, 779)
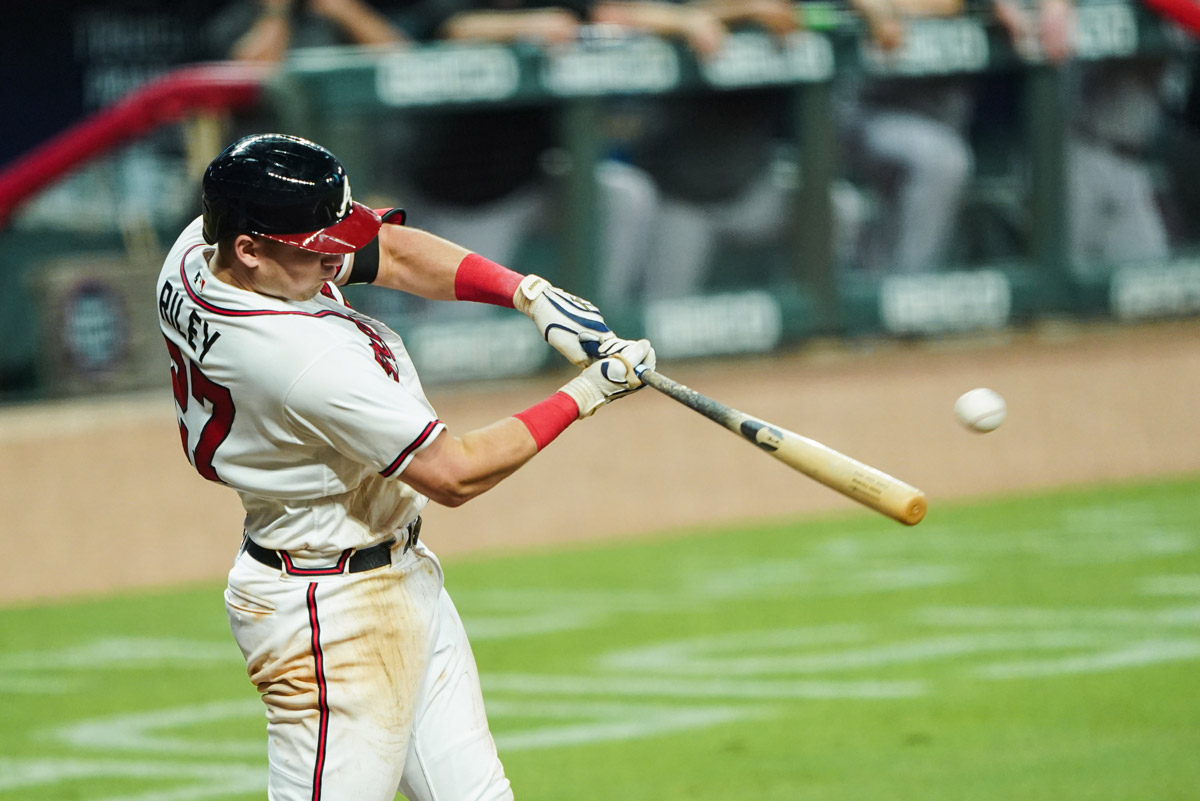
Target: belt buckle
(414, 531)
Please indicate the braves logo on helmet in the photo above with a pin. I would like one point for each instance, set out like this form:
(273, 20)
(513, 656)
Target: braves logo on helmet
(345, 209)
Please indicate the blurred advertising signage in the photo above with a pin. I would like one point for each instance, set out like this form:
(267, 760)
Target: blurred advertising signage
(1139, 292)
(459, 351)
(94, 334)
(736, 322)
(932, 47)
(958, 301)
(751, 59)
(447, 74)
(643, 64)
(1105, 31)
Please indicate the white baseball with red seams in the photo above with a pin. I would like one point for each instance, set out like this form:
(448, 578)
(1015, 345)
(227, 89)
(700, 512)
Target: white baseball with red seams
(981, 409)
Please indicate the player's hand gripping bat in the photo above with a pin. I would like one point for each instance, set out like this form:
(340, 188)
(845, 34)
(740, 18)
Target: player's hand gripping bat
(852, 478)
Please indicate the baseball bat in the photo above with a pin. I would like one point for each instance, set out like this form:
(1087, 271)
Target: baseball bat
(839, 472)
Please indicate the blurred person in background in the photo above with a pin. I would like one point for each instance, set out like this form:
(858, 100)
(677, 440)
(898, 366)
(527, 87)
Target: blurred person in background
(265, 30)
(907, 139)
(1114, 197)
(1181, 140)
(1118, 111)
(721, 161)
(487, 177)
(1118, 115)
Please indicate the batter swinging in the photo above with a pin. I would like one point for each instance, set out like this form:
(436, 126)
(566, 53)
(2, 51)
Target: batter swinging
(315, 415)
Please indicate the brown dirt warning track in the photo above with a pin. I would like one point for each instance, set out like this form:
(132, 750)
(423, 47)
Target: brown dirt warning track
(97, 495)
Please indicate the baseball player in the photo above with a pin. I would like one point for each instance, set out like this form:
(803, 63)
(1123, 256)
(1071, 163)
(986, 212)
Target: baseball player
(315, 415)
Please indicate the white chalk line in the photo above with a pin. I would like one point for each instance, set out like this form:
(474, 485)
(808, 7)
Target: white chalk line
(1142, 654)
(122, 653)
(1185, 585)
(205, 780)
(610, 721)
(835, 568)
(148, 732)
(1187, 617)
(683, 687)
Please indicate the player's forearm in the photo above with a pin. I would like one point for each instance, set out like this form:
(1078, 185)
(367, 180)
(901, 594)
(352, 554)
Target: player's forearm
(662, 19)
(703, 32)
(423, 264)
(929, 8)
(418, 262)
(453, 470)
(364, 25)
(549, 24)
(267, 40)
(779, 16)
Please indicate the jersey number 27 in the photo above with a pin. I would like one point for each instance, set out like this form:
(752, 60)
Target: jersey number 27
(188, 382)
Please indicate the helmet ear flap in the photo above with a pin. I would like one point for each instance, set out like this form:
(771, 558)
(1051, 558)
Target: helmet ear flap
(217, 221)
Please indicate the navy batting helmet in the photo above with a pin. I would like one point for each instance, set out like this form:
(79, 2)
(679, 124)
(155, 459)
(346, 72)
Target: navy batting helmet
(287, 189)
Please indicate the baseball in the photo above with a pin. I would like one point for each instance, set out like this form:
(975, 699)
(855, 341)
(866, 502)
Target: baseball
(980, 409)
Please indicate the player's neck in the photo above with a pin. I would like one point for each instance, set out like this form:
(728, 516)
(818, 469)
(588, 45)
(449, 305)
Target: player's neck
(225, 271)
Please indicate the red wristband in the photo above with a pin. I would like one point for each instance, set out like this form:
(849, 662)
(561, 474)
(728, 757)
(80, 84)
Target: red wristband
(483, 281)
(548, 419)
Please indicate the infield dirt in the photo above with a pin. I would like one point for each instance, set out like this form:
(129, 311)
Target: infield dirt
(97, 495)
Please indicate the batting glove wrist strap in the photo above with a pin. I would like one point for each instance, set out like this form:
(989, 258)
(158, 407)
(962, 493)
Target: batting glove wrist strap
(561, 317)
(586, 393)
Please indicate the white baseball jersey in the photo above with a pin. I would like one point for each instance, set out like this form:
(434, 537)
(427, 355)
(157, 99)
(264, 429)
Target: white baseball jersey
(307, 408)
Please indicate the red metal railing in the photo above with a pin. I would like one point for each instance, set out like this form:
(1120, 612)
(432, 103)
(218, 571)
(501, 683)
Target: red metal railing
(217, 86)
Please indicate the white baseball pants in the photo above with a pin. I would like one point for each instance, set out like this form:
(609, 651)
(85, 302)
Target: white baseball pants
(369, 683)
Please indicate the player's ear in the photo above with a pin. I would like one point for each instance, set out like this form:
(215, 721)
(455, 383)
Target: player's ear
(246, 249)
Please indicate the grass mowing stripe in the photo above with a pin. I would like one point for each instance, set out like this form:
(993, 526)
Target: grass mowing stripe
(1039, 646)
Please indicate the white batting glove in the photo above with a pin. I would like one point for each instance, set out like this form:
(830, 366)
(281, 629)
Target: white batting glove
(561, 317)
(614, 376)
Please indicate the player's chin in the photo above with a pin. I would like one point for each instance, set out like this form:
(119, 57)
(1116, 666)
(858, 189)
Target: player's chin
(310, 291)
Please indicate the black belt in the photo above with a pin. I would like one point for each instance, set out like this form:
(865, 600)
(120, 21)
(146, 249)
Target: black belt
(350, 561)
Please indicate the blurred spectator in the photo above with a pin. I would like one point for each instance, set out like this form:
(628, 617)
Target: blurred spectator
(907, 139)
(1181, 142)
(721, 161)
(265, 30)
(485, 178)
(1113, 199)
(1117, 115)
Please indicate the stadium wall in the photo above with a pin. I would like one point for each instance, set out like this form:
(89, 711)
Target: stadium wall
(98, 497)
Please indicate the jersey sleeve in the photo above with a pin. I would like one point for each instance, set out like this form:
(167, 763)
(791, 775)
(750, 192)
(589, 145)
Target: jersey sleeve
(346, 401)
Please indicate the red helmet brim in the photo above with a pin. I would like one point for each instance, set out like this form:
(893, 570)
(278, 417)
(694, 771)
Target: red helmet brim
(354, 232)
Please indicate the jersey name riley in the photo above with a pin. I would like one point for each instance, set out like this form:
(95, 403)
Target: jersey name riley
(196, 331)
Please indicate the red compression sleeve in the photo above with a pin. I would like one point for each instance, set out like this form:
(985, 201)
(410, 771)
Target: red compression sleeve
(548, 419)
(484, 281)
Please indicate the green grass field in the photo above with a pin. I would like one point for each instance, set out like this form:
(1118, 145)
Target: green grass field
(1042, 647)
